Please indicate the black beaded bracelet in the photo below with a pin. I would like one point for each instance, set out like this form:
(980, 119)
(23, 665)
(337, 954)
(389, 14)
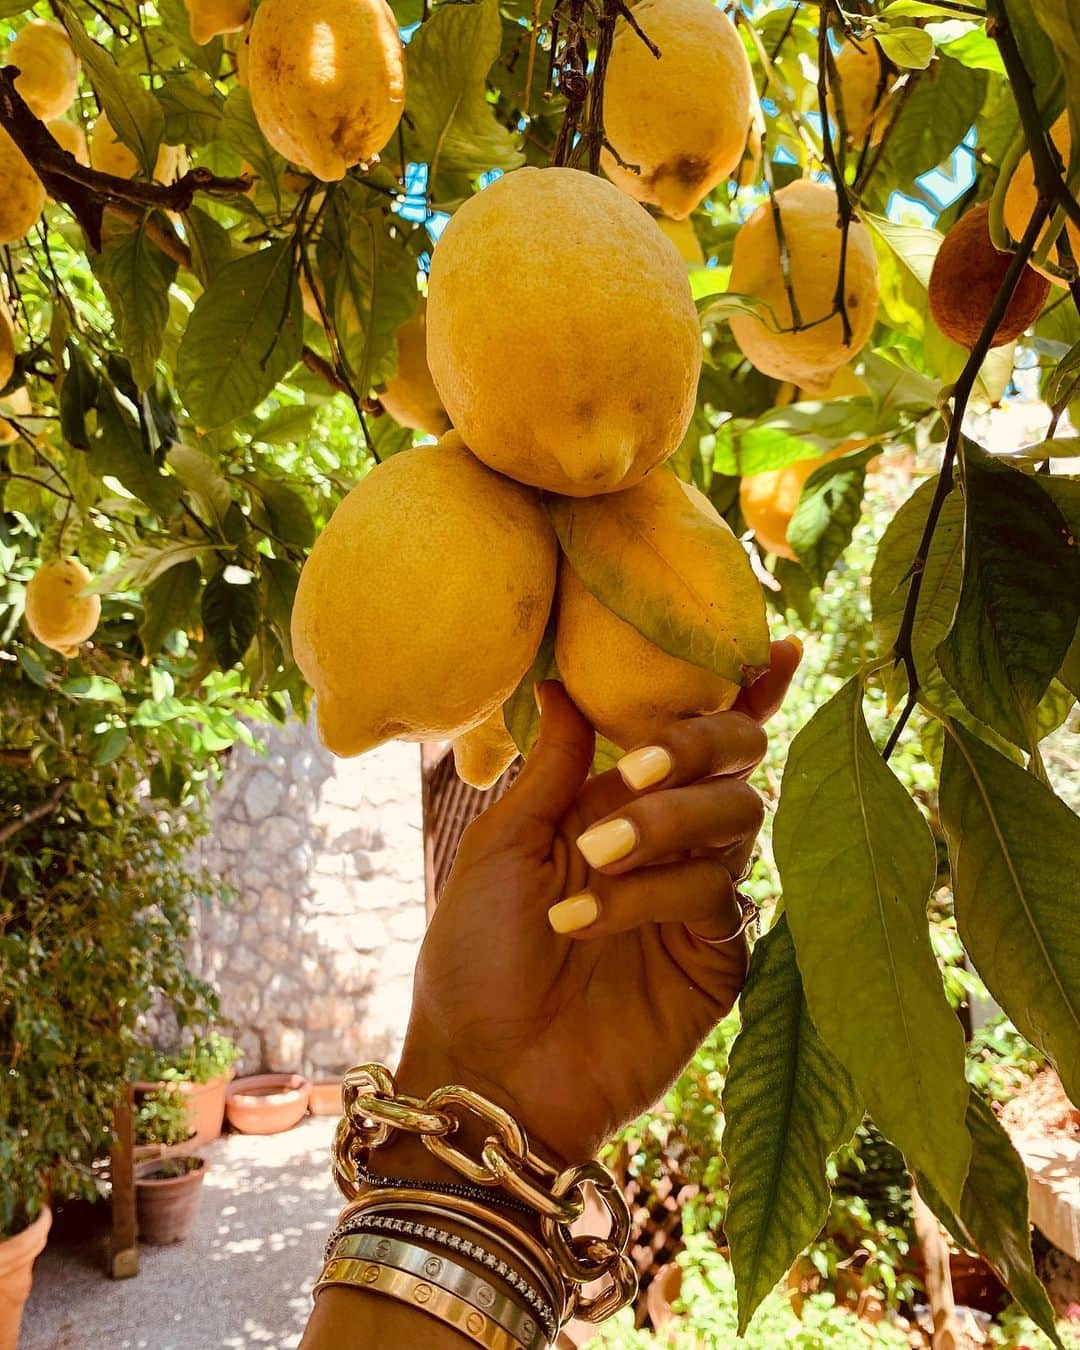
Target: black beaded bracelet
(480, 1194)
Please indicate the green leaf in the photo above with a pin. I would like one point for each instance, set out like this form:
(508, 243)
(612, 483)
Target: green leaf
(828, 511)
(78, 395)
(229, 615)
(916, 9)
(370, 283)
(240, 131)
(1020, 600)
(278, 580)
(936, 118)
(205, 482)
(858, 864)
(788, 1104)
(110, 746)
(133, 112)
(144, 565)
(167, 604)
(136, 277)
(287, 514)
(915, 245)
(942, 578)
(94, 688)
(911, 48)
(520, 712)
(674, 571)
(1069, 674)
(193, 109)
(244, 335)
(285, 425)
(449, 123)
(1017, 906)
(211, 247)
(176, 21)
(119, 450)
(787, 435)
(32, 668)
(993, 1215)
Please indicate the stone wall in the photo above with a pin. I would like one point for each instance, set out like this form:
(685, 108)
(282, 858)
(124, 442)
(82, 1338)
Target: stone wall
(313, 955)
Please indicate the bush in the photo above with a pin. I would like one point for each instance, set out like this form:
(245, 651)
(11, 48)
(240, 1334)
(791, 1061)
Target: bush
(94, 914)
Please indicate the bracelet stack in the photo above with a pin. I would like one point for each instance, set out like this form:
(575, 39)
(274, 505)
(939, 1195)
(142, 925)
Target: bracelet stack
(455, 1251)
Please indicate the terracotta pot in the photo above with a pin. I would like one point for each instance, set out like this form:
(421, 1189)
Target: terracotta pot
(205, 1105)
(166, 1204)
(326, 1097)
(17, 1257)
(267, 1103)
(663, 1291)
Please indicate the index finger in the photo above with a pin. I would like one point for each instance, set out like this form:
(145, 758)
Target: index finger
(731, 743)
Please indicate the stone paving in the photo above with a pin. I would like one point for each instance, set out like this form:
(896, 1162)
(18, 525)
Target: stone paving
(242, 1279)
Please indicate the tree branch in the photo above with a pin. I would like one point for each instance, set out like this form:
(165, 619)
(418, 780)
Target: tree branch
(88, 191)
(1049, 171)
(827, 75)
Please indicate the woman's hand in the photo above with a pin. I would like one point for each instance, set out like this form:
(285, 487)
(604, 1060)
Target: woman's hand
(577, 1031)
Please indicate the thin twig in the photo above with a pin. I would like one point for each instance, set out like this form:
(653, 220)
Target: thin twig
(827, 76)
(45, 808)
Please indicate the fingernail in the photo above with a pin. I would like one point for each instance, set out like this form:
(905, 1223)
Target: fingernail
(795, 642)
(574, 914)
(607, 843)
(645, 767)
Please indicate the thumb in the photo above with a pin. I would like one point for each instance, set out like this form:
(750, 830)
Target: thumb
(765, 696)
(557, 766)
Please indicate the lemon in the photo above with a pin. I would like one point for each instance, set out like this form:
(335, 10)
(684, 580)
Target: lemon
(424, 600)
(7, 346)
(108, 154)
(683, 235)
(410, 397)
(561, 332)
(56, 613)
(966, 277)
(1022, 194)
(681, 121)
(626, 686)
(211, 18)
(23, 198)
(482, 755)
(327, 80)
(71, 137)
(864, 83)
(17, 404)
(48, 68)
(810, 356)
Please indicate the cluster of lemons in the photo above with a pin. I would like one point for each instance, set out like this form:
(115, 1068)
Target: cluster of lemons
(561, 344)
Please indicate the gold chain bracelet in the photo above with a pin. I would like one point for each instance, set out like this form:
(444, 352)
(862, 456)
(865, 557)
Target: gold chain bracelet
(375, 1112)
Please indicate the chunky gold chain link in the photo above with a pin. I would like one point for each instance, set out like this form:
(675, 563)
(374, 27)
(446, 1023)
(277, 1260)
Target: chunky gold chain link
(375, 1110)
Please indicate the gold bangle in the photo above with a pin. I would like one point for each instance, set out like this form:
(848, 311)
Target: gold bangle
(489, 1223)
(420, 1294)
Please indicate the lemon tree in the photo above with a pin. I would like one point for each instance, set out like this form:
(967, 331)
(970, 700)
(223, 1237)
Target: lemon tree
(219, 221)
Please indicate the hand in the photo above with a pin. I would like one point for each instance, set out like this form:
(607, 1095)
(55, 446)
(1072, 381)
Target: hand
(576, 1033)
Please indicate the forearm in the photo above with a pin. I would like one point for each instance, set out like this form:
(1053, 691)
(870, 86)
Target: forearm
(344, 1318)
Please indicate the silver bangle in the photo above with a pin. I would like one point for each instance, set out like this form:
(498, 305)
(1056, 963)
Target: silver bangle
(516, 1319)
(364, 1225)
(749, 912)
(387, 1222)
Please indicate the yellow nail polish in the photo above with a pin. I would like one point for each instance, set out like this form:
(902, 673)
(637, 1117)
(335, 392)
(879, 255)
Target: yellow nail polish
(796, 642)
(607, 843)
(575, 913)
(645, 767)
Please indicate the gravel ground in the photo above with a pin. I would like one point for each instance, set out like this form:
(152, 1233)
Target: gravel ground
(242, 1279)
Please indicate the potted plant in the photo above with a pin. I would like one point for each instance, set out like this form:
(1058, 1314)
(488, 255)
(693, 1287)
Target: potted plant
(24, 1226)
(267, 1103)
(201, 1072)
(168, 1186)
